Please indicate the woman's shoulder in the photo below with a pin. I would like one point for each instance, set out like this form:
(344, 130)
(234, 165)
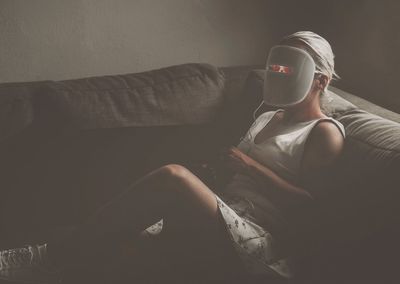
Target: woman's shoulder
(329, 126)
(323, 146)
(326, 139)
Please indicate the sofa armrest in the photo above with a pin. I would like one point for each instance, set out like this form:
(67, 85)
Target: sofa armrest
(367, 105)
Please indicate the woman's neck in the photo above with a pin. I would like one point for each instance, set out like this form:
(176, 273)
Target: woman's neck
(303, 113)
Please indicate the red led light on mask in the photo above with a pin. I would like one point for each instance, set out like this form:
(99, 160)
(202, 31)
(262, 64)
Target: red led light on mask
(280, 69)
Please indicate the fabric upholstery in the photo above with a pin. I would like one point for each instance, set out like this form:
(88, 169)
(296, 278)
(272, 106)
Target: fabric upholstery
(366, 187)
(366, 105)
(182, 94)
(16, 108)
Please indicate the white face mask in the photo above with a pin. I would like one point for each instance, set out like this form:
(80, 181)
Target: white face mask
(289, 76)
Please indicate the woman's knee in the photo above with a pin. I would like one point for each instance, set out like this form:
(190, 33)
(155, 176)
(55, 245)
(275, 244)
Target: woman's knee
(190, 192)
(174, 173)
(176, 170)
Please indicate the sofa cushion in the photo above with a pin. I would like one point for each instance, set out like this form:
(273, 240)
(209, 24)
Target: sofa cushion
(181, 94)
(367, 105)
(365, 187)
(16, 108)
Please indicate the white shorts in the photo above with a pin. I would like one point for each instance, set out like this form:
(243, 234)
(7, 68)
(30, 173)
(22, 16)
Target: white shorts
(254, 245)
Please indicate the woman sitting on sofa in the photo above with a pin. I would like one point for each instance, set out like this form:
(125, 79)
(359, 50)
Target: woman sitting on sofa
(279, 158)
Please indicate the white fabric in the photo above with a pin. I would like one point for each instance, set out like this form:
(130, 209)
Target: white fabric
(283, 152)
(254, 245)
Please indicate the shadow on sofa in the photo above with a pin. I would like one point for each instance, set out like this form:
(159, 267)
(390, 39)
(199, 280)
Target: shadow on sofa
(69, 146)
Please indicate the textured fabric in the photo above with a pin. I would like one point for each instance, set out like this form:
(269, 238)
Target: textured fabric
(175, 95)
(254, 244)
(373, 130)
(16, 108)
(365, 105)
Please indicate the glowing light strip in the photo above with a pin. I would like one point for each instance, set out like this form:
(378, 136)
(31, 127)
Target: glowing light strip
(280, 69)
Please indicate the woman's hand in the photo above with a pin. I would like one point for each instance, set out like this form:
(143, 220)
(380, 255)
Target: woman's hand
(237, 161)
(278, 188)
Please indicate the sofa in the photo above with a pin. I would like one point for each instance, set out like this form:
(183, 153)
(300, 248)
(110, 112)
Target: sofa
(69, 146)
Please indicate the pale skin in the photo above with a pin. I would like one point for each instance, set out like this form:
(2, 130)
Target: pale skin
(192, 222)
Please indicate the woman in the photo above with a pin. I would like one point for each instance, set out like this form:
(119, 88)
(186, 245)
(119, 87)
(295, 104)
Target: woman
(233, 222)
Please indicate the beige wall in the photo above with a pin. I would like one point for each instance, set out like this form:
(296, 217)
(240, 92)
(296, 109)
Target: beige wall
(55, 39)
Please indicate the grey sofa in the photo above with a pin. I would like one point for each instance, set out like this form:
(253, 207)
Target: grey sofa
(69, 146)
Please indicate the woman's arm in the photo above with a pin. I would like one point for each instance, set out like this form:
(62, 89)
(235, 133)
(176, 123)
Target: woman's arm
(277, 188)
(321, 151)
(281, 187)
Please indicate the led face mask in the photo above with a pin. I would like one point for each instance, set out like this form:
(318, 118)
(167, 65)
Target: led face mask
(288, 77)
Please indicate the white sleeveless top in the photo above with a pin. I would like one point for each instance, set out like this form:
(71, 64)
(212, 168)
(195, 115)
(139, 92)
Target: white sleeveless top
(281, 153)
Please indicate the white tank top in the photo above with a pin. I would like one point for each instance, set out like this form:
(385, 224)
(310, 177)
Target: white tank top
(281, 153)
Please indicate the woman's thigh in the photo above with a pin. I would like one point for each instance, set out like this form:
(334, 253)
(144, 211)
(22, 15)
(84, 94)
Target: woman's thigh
(187, 258)
(194, 239)
(195, 236)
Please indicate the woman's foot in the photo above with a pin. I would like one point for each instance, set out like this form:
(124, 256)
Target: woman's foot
(28, 264)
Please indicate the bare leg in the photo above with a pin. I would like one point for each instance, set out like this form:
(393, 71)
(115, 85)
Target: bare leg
(189, 209)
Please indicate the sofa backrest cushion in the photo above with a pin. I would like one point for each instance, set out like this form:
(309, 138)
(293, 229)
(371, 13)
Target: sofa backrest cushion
(16, 108)
(175, 95)
(362, 196)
